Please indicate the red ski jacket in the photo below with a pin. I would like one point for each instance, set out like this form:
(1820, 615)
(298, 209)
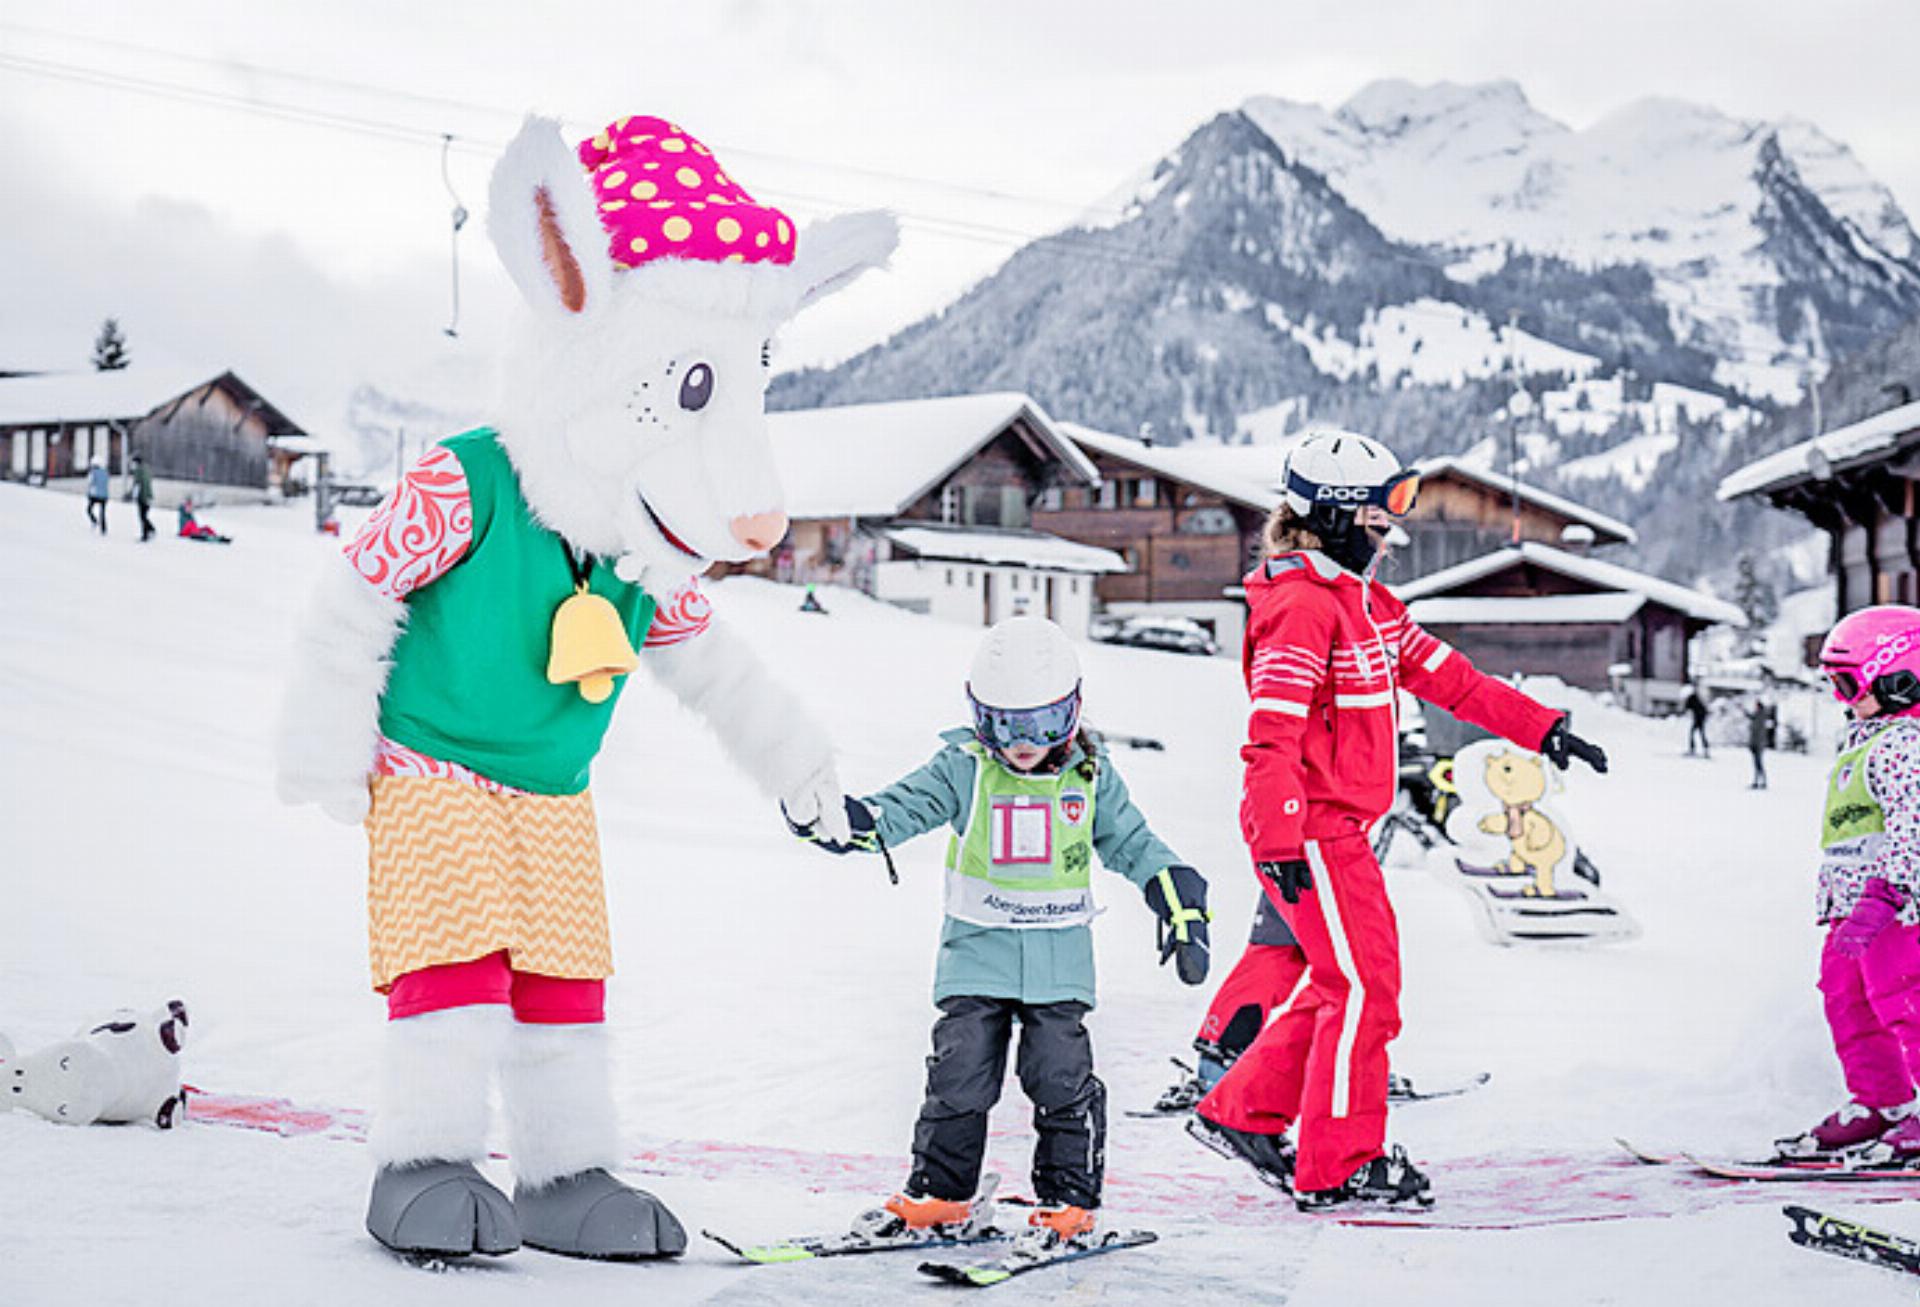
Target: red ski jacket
(1325, 657)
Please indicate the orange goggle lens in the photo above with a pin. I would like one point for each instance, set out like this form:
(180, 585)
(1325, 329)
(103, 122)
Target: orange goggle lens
(1401, 494)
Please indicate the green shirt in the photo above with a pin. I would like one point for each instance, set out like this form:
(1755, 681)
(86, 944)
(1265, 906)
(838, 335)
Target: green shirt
(469, 681)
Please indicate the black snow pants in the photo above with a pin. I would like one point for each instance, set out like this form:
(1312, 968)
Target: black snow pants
(964, 1075)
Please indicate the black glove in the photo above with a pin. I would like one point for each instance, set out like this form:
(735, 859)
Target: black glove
(866, 839)
(1562, 744)
(1293, 877)
(1178, 896)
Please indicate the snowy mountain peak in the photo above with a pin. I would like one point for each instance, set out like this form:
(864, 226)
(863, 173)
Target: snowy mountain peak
(1393, 107)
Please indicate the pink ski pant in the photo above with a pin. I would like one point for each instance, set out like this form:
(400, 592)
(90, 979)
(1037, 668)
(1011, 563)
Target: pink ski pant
(540, 1000)
(1873, 1010)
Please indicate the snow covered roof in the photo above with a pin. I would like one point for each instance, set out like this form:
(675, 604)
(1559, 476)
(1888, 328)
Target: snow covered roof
(1840, 448)
(123, 395)
(1605, 576)
(1552, 503)
(1034, 549)
(1528, 610)
(873, 460)
(1243, 474)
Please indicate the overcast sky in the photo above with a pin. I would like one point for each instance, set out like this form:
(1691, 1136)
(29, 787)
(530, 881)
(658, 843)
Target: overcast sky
(310, 255)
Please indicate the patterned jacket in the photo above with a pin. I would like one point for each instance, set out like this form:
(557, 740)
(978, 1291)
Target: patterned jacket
(1325, 658)
(1893, 778)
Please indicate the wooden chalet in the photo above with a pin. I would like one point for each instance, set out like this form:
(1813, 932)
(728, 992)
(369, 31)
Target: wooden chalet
(188, 426)
(929, 504)
(1857, 484)
(1536, 610)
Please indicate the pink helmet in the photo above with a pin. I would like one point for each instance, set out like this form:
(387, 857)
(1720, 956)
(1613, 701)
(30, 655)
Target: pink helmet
(1876, 651)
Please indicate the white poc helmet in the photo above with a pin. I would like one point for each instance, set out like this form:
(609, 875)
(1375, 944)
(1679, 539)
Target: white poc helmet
(1338, 469)
(1024, 662)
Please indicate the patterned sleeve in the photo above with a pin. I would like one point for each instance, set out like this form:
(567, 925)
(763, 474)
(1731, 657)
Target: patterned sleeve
(1893, 776)
(685, 613)
(420, 531)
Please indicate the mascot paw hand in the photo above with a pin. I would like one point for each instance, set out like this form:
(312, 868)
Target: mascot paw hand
(819, 799)
(346, 801)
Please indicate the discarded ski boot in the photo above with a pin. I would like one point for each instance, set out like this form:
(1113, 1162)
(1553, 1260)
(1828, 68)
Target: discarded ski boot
(440, 1209)
(591, 1214)
(1271, 1156)
(1054, 1226)
(1849, 1128)
(1389, 1179)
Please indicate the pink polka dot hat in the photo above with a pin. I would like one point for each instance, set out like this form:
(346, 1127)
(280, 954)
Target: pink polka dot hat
(662, 195)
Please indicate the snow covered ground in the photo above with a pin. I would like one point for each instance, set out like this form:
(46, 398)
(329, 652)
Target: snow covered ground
(771, 1010)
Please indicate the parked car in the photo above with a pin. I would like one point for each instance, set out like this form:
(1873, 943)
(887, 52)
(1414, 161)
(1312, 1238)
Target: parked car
(1173, 634)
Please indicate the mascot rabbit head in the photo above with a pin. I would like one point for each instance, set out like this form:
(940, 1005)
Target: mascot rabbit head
(634, 397)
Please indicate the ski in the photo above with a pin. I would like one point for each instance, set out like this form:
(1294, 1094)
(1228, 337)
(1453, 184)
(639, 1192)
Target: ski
(1809, 1170)
(1647, 1155)
(1400, 1090)
(983, 1275)
(807, 1247)
(1844, 1238)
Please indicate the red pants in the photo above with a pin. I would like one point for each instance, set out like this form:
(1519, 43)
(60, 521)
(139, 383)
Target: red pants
(1323, 1060)
(1264, 978)
(541, 1000)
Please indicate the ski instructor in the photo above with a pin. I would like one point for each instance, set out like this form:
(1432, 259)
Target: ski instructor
(1327, 651)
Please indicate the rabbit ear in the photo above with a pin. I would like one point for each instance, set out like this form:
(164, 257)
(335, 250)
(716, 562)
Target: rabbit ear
(542, 220)
(832, 252)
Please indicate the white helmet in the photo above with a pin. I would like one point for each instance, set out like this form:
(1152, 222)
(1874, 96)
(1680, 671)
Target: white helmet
(1024, 662)
(1342, 469)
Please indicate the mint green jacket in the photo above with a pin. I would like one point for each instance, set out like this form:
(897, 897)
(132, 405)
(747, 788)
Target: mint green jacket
(1030, 966)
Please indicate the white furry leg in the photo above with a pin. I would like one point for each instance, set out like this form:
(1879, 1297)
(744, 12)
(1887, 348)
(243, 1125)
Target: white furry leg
(559, 1100)
(435, 1076)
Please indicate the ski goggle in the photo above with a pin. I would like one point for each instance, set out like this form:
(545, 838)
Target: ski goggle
(1845, 683)
(1049, 726)
(1397, 494)
(1895, 690)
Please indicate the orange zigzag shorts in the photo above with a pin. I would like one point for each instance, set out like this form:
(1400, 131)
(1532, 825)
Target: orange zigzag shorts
(455, 872)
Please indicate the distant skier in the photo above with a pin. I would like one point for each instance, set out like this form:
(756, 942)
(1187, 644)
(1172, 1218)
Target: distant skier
(1759, 740)
(143, 497)
(1869, 872)
(1697, 713)
(1029, 798)
(1327, 652)
(98, 487)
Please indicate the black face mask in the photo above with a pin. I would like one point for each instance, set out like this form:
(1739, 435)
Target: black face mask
(1343, 539)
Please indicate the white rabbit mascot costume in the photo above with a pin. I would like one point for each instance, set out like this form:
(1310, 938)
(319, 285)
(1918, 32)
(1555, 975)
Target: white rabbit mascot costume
(460, 666)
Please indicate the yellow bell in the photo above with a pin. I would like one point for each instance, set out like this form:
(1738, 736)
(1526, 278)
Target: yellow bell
(589, 645)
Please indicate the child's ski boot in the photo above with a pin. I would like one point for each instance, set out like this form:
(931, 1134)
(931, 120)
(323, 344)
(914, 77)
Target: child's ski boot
(1195, 1081)
(1846, 1130)
(920, 1216)
(1053, 1227)
(1390, 1180)
(1897, 1148)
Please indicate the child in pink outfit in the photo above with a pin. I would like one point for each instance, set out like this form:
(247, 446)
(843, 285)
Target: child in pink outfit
(1869, 875)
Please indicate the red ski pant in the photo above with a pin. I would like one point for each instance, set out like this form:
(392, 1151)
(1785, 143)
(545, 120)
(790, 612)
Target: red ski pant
(1322, 1061)
(1873, 1009)
(1263, 979)
(539, 1000)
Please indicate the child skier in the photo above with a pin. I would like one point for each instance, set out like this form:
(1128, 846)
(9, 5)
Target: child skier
(1869, 870)
(1327, 652)
(1029, 798)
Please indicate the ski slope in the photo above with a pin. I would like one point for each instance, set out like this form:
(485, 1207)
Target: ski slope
(772, 1005)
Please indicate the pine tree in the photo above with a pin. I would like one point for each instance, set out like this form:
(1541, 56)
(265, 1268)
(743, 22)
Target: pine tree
(110, 348)
(1755, 597)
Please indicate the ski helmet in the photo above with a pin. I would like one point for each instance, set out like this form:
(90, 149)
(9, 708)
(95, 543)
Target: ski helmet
(1331, 475)
(1024, 685)
(1875, 651)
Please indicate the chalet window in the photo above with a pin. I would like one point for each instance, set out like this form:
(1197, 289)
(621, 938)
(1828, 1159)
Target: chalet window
(1208, 522)
(1109, 494)
(949, 578)
(1145, 492)
(950, 504)
(1073, 585)
(969, 578)
(1048, 500)
(1013, 506)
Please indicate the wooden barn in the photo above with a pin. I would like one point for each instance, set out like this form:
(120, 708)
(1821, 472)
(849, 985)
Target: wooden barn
(1536, 610)
(1857, 484)
(188, 426)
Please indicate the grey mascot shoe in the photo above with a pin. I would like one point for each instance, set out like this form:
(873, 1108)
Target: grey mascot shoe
(440, 1209)
(591, 1214)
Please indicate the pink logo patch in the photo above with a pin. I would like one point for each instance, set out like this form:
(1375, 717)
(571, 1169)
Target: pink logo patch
(662, 195)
